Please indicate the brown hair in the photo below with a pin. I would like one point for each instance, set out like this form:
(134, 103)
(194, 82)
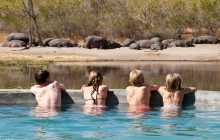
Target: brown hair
(95, 79)
(173, 81)
(42, 77)
(136, 78)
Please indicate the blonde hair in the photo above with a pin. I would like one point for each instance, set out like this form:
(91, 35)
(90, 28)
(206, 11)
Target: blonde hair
(173, 81)
(136, 78)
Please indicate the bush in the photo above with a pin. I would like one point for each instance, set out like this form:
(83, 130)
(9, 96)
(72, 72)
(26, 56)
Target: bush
(113, 18)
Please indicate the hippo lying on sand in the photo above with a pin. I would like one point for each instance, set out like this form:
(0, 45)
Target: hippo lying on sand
(181, 43)
(156, 39)
(145, 44)
(156, 46)
(134, 46)
(206, 40)
(127, 42)
(95, 42)
(113, 44)
(46, 41)
(18, 36)
(166, 43)
(62, 43)
(100, 43)
(14, 43)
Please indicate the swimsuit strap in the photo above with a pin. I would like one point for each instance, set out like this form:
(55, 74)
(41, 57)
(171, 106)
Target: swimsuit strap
(88, 99)
(93, 99)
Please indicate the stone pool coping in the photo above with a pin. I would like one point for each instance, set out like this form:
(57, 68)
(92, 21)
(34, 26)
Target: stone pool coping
(24, 96)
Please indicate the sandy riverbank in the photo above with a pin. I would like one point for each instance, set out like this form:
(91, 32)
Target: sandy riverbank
(198, 53)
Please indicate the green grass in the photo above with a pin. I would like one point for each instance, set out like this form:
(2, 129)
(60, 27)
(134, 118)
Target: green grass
(22, 65)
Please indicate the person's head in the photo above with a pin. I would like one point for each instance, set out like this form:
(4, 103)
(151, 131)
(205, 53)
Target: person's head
(42, 77)
(173, 81)
(95, 78)
(136, 78)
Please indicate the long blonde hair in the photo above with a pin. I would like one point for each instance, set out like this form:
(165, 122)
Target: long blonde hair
(136, 78)
(95, 79)
(173, 81)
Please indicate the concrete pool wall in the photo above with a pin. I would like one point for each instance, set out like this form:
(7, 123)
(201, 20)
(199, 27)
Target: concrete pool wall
(115, 96)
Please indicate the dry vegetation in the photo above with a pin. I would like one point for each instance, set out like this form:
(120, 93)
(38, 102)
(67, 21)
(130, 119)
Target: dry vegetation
(114, 18)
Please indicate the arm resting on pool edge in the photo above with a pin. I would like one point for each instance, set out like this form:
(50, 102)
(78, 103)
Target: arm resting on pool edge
(156, 99)
(189, 90)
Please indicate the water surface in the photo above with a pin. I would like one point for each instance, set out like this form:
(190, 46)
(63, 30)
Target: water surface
(204, 75)
(18, 122)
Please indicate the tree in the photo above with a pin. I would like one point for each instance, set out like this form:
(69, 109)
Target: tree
(32, 18)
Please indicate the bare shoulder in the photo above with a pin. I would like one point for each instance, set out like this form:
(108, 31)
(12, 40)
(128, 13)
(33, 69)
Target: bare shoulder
(129, 88)
(162, 90)
(83, 86)
(33, 89)
(143, 88)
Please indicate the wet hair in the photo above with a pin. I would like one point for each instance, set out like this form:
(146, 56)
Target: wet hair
(173, 81)
(42, 76)
(136, 78)
(95, 79)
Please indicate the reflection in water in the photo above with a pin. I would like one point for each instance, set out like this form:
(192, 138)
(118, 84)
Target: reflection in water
(171, 112)
(45, 112)
(137, 112)
(93, 109)
(205, 76)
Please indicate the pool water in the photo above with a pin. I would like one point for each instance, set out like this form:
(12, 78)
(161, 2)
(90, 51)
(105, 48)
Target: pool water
(20, 122)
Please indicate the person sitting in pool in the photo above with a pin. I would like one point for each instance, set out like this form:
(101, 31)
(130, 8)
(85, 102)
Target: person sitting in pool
(138, 94)
(94, 92)
(173, 92)
(47, 93)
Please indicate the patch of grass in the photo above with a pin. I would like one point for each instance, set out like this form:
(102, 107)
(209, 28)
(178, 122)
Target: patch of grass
(22, 65)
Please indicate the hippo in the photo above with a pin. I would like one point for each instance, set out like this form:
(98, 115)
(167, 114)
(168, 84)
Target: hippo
(46, 41)
(14, 43)
(181, 43)
(156, 46)
(127, 42)
(206, 40)
(113, 44)
(96, 42)
(145, 44)
(62, 43)
(155, 39)
(134, 46)
(166, 43)
(18, 36)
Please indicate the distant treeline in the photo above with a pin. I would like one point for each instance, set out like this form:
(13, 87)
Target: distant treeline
(113, 18)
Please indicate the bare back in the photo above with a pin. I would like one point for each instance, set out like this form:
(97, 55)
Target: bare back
(47, 96)
(138, 96)
(174, 97)
(101, 96)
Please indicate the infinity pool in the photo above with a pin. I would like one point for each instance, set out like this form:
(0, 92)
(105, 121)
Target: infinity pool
(19, 122)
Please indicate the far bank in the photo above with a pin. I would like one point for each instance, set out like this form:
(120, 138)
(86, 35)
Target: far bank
(202, 53)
